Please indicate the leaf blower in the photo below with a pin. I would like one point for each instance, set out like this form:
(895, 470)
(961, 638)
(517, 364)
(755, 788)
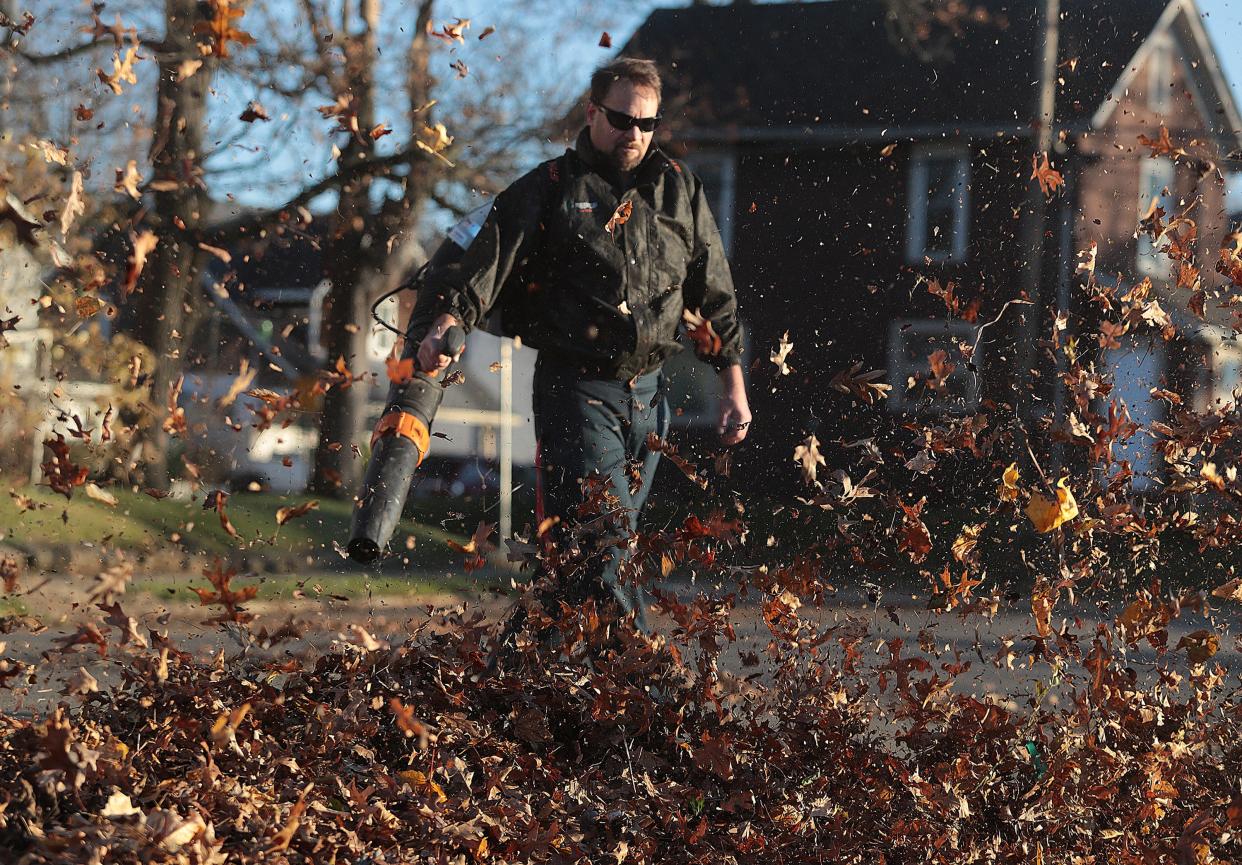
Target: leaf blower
(403, 435)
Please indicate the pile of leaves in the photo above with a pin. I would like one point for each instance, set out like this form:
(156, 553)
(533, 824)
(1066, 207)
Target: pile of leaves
(605, 745)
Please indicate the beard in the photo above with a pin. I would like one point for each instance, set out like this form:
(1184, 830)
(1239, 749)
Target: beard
(626, 157)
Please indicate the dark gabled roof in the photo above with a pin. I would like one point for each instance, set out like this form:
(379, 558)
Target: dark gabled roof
(844, 64)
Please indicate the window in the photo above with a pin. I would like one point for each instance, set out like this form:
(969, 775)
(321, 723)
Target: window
(1160, 77)
(921, 378)
(1155, 183)
(939, 202)
(716, 170)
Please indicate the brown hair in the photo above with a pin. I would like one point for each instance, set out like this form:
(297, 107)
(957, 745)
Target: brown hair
(640, 73)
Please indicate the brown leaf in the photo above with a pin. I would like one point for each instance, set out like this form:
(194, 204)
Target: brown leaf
(10, 572)
(1049, 179)
(1162, 145)
(863, 386)
(714, 755)
(222, 593)
(619, 217)
(219, 28)
(215, 501)
(703, 336)
(1230, 591)
(59, 472)
(254, 111)
(287, 513)
(1199, 645)
(450, 32)
(914, 539)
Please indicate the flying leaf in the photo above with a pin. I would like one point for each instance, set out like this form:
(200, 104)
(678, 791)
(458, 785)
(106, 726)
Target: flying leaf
(127, 180)
(144, 245)
(808, 458)
(780, 353)
(221, 592)
(254, 111)
(400, 371)
(1161, 145)
(215, 501)
(914, 539)
(100, 495)
(122, 71)
(245, 377)
(434, 140)
(450, 32)
(1199, 645)
(59, 472)
(1049, 179)
(287, 513)
(861, 385)
(75, 206)
(619, 217)
(1047, 514)
(219, 28)
(703, 336)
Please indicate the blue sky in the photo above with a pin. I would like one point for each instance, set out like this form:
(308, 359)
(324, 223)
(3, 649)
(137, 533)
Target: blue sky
(572, 60)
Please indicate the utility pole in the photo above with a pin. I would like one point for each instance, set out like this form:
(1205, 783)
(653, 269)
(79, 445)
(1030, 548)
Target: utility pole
(1034, 210)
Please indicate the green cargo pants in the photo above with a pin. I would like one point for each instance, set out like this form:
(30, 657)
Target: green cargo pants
(590, 432)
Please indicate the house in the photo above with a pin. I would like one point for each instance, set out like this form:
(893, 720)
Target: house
(25, 359)
(861, 163)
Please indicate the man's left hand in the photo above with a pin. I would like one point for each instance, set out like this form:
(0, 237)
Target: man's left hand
(734, 421)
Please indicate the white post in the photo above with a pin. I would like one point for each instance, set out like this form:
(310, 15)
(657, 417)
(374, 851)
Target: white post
(506, 442)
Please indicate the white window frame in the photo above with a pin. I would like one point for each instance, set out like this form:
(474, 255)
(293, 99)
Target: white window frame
(725, 162)
(916, 214)
(901, 368)
(1160, 75)
(1156, 173)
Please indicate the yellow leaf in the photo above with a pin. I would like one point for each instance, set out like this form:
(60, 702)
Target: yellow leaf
(1046, 514)
(1008, 490)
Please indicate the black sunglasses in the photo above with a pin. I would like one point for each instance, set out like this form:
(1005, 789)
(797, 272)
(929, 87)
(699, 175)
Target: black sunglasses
(624, 122)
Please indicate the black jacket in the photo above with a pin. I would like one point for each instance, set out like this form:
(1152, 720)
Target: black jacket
(609, 303)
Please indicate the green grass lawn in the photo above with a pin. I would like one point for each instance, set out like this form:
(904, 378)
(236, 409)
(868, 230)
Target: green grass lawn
(141, 523)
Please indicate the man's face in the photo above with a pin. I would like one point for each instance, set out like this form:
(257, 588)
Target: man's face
(625, 149)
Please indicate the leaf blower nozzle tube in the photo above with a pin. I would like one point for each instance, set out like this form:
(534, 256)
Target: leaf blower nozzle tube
(398, 445)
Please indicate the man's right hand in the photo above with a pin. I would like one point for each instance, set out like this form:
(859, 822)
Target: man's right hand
(430, 357)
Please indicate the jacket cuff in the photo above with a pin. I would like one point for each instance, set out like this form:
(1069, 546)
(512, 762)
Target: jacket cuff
(724, 360)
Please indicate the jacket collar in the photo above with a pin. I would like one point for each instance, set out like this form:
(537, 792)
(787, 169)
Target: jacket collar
(653, 165)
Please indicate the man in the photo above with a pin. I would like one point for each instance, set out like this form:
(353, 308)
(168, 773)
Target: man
(611, 243)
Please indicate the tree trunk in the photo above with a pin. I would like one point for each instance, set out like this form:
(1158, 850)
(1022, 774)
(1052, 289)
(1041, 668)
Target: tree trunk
(338, 469)
(167, 287)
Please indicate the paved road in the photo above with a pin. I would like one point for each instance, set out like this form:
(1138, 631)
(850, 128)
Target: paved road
(997, 648)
